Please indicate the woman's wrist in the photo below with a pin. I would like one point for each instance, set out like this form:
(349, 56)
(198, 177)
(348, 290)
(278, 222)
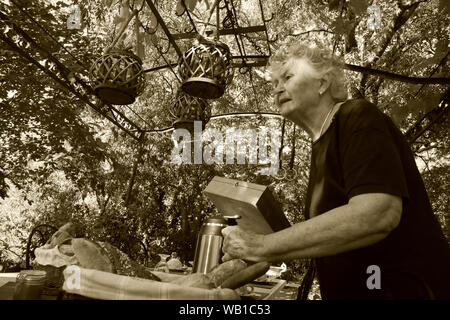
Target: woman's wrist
(261, 249)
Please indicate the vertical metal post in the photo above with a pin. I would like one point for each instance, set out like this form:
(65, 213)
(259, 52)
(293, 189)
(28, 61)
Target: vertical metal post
(218, 20)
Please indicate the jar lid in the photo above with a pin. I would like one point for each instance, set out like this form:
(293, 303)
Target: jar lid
(217, 220)
(32, 276)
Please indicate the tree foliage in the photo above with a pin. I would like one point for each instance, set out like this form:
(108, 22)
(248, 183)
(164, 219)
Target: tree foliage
(62, 161)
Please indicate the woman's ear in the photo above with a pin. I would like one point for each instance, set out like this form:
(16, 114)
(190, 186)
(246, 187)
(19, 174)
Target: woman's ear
(325, 82)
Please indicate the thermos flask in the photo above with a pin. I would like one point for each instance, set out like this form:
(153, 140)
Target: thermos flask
(208, 250)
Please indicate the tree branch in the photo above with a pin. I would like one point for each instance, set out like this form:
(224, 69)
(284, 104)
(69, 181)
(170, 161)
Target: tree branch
(404, 15)
(434, 71)
(427, 148)
(395, 76)
(421, 126)
(106, 202)
(308, 32)
(6, 247)
(424, 161)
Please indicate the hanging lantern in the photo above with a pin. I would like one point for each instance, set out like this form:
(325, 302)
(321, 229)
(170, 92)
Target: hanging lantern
(117, 77)
(188, 109)
(205, 69)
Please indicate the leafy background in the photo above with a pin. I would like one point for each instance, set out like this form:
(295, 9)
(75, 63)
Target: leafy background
(61, 161)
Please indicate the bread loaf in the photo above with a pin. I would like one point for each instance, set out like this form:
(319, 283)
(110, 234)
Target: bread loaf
(90, 255)
(215, 277)
(228, 294)
(197, 280)
(225, 270)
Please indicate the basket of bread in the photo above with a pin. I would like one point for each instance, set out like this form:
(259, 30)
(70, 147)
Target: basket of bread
(79, 267)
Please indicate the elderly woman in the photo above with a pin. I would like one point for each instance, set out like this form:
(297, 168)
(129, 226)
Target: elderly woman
(369, 224)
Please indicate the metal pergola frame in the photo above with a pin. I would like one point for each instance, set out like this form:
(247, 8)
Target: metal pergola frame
(84, 92)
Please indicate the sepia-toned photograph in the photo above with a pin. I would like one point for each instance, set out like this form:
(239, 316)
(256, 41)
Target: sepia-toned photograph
(257, 153)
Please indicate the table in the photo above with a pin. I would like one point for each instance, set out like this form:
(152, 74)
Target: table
(276, 289)
(272, 289)
(8, 283)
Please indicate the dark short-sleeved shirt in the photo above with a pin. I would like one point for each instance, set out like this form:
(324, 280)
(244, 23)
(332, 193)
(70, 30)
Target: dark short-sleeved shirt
(364, 152)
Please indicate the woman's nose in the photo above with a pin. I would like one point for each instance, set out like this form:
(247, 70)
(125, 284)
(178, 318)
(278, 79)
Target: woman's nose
(278, 88)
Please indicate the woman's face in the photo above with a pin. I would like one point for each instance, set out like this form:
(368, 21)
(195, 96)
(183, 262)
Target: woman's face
(296, 87)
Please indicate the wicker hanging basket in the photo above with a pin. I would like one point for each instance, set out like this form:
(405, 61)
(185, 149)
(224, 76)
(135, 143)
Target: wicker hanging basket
(117, 77)
(188, 109)
(205, 70)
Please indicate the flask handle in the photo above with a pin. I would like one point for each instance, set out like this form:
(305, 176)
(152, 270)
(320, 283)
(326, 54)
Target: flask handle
(231, 220)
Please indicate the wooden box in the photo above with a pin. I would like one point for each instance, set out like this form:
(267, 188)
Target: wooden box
(256, 205)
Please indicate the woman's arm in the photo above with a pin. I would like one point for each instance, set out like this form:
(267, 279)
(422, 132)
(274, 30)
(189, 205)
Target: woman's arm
(365, 220)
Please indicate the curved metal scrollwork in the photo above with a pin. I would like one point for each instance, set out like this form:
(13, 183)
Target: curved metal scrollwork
(39, 235)
(160, 49)
(229, 21)
(273, 40)
(189, 29)
(272, 15)
(137, 251)
(223, 6)
(244, 69)
(149, 30)
(286, 174)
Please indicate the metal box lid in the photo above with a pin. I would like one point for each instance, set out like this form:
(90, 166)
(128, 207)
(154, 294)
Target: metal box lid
(255, 203)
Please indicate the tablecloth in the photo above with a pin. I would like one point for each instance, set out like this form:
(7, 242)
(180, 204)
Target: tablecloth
(108, 286)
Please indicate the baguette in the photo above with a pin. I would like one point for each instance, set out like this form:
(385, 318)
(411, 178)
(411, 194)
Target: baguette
(246, 275)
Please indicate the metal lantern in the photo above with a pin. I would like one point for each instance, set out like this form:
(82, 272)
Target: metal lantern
(188, 109)
(205, 70)
(117, 77)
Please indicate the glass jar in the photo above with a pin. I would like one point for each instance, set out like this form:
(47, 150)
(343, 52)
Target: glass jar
(29, 285)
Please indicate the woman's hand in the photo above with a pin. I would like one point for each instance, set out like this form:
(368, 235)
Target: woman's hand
(241, 244)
